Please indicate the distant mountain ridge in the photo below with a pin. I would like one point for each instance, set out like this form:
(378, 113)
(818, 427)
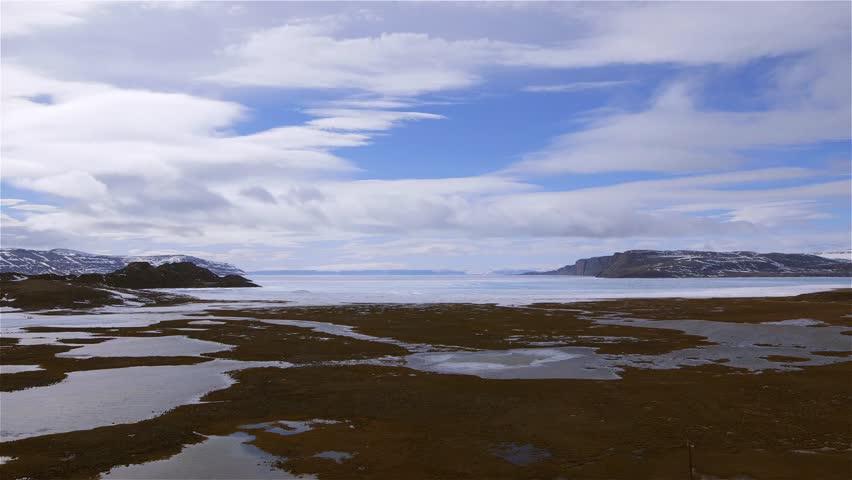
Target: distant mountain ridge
(693, 263)
(60, 261)
(358, 272)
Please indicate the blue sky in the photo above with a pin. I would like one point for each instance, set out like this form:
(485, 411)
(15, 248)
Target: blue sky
(472, 136)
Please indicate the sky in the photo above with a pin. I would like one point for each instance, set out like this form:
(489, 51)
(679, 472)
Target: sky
(468, 136)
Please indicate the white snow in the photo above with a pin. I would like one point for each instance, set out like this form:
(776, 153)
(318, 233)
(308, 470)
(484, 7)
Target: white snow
(206, 322)
(19, 368)
(800, 322)
(837, 255)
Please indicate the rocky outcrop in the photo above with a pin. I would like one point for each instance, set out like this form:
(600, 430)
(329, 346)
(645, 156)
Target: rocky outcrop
(691, 263)
(169, 275)
(129, 286)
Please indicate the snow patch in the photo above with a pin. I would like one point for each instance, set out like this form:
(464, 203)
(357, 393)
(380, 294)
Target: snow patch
(798, 322)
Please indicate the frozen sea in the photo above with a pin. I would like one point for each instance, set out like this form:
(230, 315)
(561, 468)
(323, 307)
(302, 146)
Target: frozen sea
(501, 289)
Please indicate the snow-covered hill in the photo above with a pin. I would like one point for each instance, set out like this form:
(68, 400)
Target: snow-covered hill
(689, 263)
(839, 254)
(71, 262)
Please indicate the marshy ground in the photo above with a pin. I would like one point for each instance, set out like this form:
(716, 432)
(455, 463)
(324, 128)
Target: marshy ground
(343, 392)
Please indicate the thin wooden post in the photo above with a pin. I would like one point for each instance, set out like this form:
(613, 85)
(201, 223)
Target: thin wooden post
(689, 449)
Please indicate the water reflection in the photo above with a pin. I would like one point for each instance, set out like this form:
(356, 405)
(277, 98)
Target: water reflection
(229, 457)
(97, 398)
(520, 454)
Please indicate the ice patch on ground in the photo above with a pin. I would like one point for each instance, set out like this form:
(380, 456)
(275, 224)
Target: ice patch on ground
(168, 346)
(349, 331)
(43, 338)
(737, 345)
(19, 368)
(289, 427)
(338, 457)
(799, 322)
(130, 300)
(567, 362)
(206, 322)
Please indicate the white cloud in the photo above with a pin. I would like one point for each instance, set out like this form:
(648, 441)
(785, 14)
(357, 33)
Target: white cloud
(33, 207)
(369, 103)
(24, 18)
(73, 184)
(319, 54)
(481, 207)
(674, 135)
(169, 137)
(577, 86)
(145, 155)
(359, 119)
(694, 33)
(385, 50)
(775, 213)
(391, 63)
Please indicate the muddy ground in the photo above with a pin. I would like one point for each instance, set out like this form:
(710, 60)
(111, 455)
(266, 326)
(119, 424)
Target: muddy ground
(401, 423)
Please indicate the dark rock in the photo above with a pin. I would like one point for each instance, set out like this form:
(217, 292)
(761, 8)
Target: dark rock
(171, 275)
(33, 292)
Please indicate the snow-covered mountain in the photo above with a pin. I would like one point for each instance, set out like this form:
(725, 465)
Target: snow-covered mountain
(71, 262)
(690, 263)
(838, 254)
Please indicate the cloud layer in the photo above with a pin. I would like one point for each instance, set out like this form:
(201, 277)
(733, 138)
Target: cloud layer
(130, 153)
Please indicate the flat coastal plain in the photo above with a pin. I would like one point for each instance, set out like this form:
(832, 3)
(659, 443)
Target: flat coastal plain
(745, 388)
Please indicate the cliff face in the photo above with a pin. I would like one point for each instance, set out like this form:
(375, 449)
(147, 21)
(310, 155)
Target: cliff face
(689, 263)
(594, 266)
